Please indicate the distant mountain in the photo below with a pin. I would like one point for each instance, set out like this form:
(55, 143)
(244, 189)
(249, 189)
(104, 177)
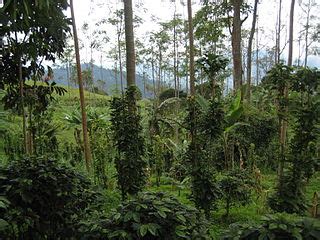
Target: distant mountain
(103, 78)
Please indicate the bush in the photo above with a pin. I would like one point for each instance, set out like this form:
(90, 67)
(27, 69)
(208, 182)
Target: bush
(156, 216)
(170, 93)
(236, 187)
(278, 226)
(289, 196)
(41, 199)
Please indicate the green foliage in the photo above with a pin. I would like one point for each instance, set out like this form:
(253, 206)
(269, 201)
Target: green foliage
(100, 139)
(44, 133)
(42, 28)
(212, 64)
(41, 199)
(127, 131)
(156, 216)
(203, 121)
(170, 93)
(212, 18)
(290, 192)
(289, 195)
(278, 226)
(236, 187)
(13, 144)
(261, 130)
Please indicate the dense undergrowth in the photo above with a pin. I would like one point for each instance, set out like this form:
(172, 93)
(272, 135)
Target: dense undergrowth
(231, 191)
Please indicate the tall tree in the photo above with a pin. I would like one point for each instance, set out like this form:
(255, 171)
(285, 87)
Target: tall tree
(34, 31)
(236, 44)
(278, 35)
(306, 8)
(191, 51)
(130, 52)
(86, 142)
(290, 53)
(284, 121)
(249, 55)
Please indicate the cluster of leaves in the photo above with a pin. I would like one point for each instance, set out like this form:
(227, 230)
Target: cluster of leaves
(156, 216)
(13, 144)
(278, 226)
(289, 195)
(236, 187)
(261, 130)
(170, 93)
(203, 120)
(34, 31)
(44, 133)
(212, 64)
(213, 17)
(41, 199)
(99, 134)
(127, 131)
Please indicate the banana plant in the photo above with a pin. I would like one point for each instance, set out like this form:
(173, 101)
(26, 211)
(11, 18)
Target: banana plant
(232, 122)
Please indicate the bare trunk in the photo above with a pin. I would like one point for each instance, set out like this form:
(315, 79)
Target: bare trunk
(175, 55)
(159, 70)
(257, 54)
(130, 52)
(144, 82)
(24, 127)
(307, 35)
(278, 34)
(249, 57)
(284, 121)
(86, 142)
(291, 33)
(153, 77)
(120, 64)
(236, 45)
(191, 51)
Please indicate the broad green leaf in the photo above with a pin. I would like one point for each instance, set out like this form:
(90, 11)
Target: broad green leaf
(3, 224)
(202, 102)
(143, 230)
(162, 213)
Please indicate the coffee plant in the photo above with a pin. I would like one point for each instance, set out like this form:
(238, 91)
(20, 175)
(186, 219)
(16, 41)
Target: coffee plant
(156, 216)
(278, 226)
(42, 199)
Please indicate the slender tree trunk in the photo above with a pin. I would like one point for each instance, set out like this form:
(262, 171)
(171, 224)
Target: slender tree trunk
(120, 64)
(193, 132)
(278, 34)
(144, 82)
(249, 57)
(191, 51)
(159, 70)
(236, 45)
(186, 53)
(116, 74)
(284, 121)
(291, 33)
(130, 52)
(175, 54)
(24, 127)
(257, 53)
(153, 77)
(91, 67)
(307, 35)
(68, 77)
(86, 141)
(177, 70)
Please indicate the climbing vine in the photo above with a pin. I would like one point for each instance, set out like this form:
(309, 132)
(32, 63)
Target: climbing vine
(127, 134)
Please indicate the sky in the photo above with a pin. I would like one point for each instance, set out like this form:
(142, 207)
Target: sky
(91, 11)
